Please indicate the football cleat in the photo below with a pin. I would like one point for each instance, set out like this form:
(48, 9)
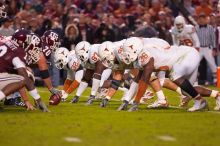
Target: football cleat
(199, 105)
(217, 107)
(75, 99)
(184, 100)
(90, 100)
(104, 102)
(134, 107)
(123, 106)
(19, 102)
(159, 104)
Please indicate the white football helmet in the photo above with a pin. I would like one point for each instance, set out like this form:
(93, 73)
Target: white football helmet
(61, 57)
(131, 48)
(106, 54)
(82, 50)
(179, 23)
(74, 62)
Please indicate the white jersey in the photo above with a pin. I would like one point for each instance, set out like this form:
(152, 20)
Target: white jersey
(187, 37)
(155, 43)
(118, 49)
(163, 59)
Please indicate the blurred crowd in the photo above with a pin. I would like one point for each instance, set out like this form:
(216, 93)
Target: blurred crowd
(99, 20)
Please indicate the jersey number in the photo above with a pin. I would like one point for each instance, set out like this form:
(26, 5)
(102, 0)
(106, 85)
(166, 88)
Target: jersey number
(186, 42)
(47, 51)
(144, 58)
(3, 50)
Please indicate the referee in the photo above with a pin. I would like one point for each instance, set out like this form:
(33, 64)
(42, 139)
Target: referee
(207, 40)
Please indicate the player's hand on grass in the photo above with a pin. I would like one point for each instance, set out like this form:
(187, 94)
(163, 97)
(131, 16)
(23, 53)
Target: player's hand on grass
(64, 95)
(41, 105)
(29, 106)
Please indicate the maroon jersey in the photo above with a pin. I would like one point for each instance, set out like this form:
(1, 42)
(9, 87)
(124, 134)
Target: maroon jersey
(11, 56)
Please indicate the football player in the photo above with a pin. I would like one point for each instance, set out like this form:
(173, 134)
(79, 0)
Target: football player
(184, 34)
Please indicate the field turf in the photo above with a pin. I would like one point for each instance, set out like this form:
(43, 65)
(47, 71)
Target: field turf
(77, 124)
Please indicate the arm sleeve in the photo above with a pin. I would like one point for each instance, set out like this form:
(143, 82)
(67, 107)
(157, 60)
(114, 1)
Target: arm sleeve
(18, 63)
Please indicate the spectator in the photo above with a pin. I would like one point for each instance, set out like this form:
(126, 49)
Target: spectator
(7, 29)
(122, 10)
(204, 7)
(104, 33)
(71, 37)
(189, 7)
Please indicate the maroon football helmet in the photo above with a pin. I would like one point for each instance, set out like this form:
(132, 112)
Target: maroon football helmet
(30, 42)
(22, 37)
(50, 41)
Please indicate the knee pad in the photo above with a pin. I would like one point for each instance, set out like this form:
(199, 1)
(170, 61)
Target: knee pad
(115, 84)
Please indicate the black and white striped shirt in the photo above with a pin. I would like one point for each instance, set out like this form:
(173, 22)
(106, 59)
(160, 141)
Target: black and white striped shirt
(206, 36)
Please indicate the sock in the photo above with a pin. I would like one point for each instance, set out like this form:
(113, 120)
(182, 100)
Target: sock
(214, 93)
(160, 95)
(95, 86)
(142, 87)
(82, 87)
(72, 87)
(131, 92)
(108, 97)
(179, 91)
(34, 93)
(2, 95)
(67, 84)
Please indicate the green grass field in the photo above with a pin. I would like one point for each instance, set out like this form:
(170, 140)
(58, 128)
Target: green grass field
(77, 124)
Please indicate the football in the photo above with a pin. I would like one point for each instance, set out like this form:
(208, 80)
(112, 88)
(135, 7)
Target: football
(54, 99)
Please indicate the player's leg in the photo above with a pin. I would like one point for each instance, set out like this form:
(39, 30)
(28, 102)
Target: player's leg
(99, 81)
(10, 83)
(67, 84)
(131, 82)
(83, 84)
(167, 83)
(116, 81)
(181, 73)
(161, 101)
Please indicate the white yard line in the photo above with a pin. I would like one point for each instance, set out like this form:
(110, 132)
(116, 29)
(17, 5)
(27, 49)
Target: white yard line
(72, 139)
(166, 138)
